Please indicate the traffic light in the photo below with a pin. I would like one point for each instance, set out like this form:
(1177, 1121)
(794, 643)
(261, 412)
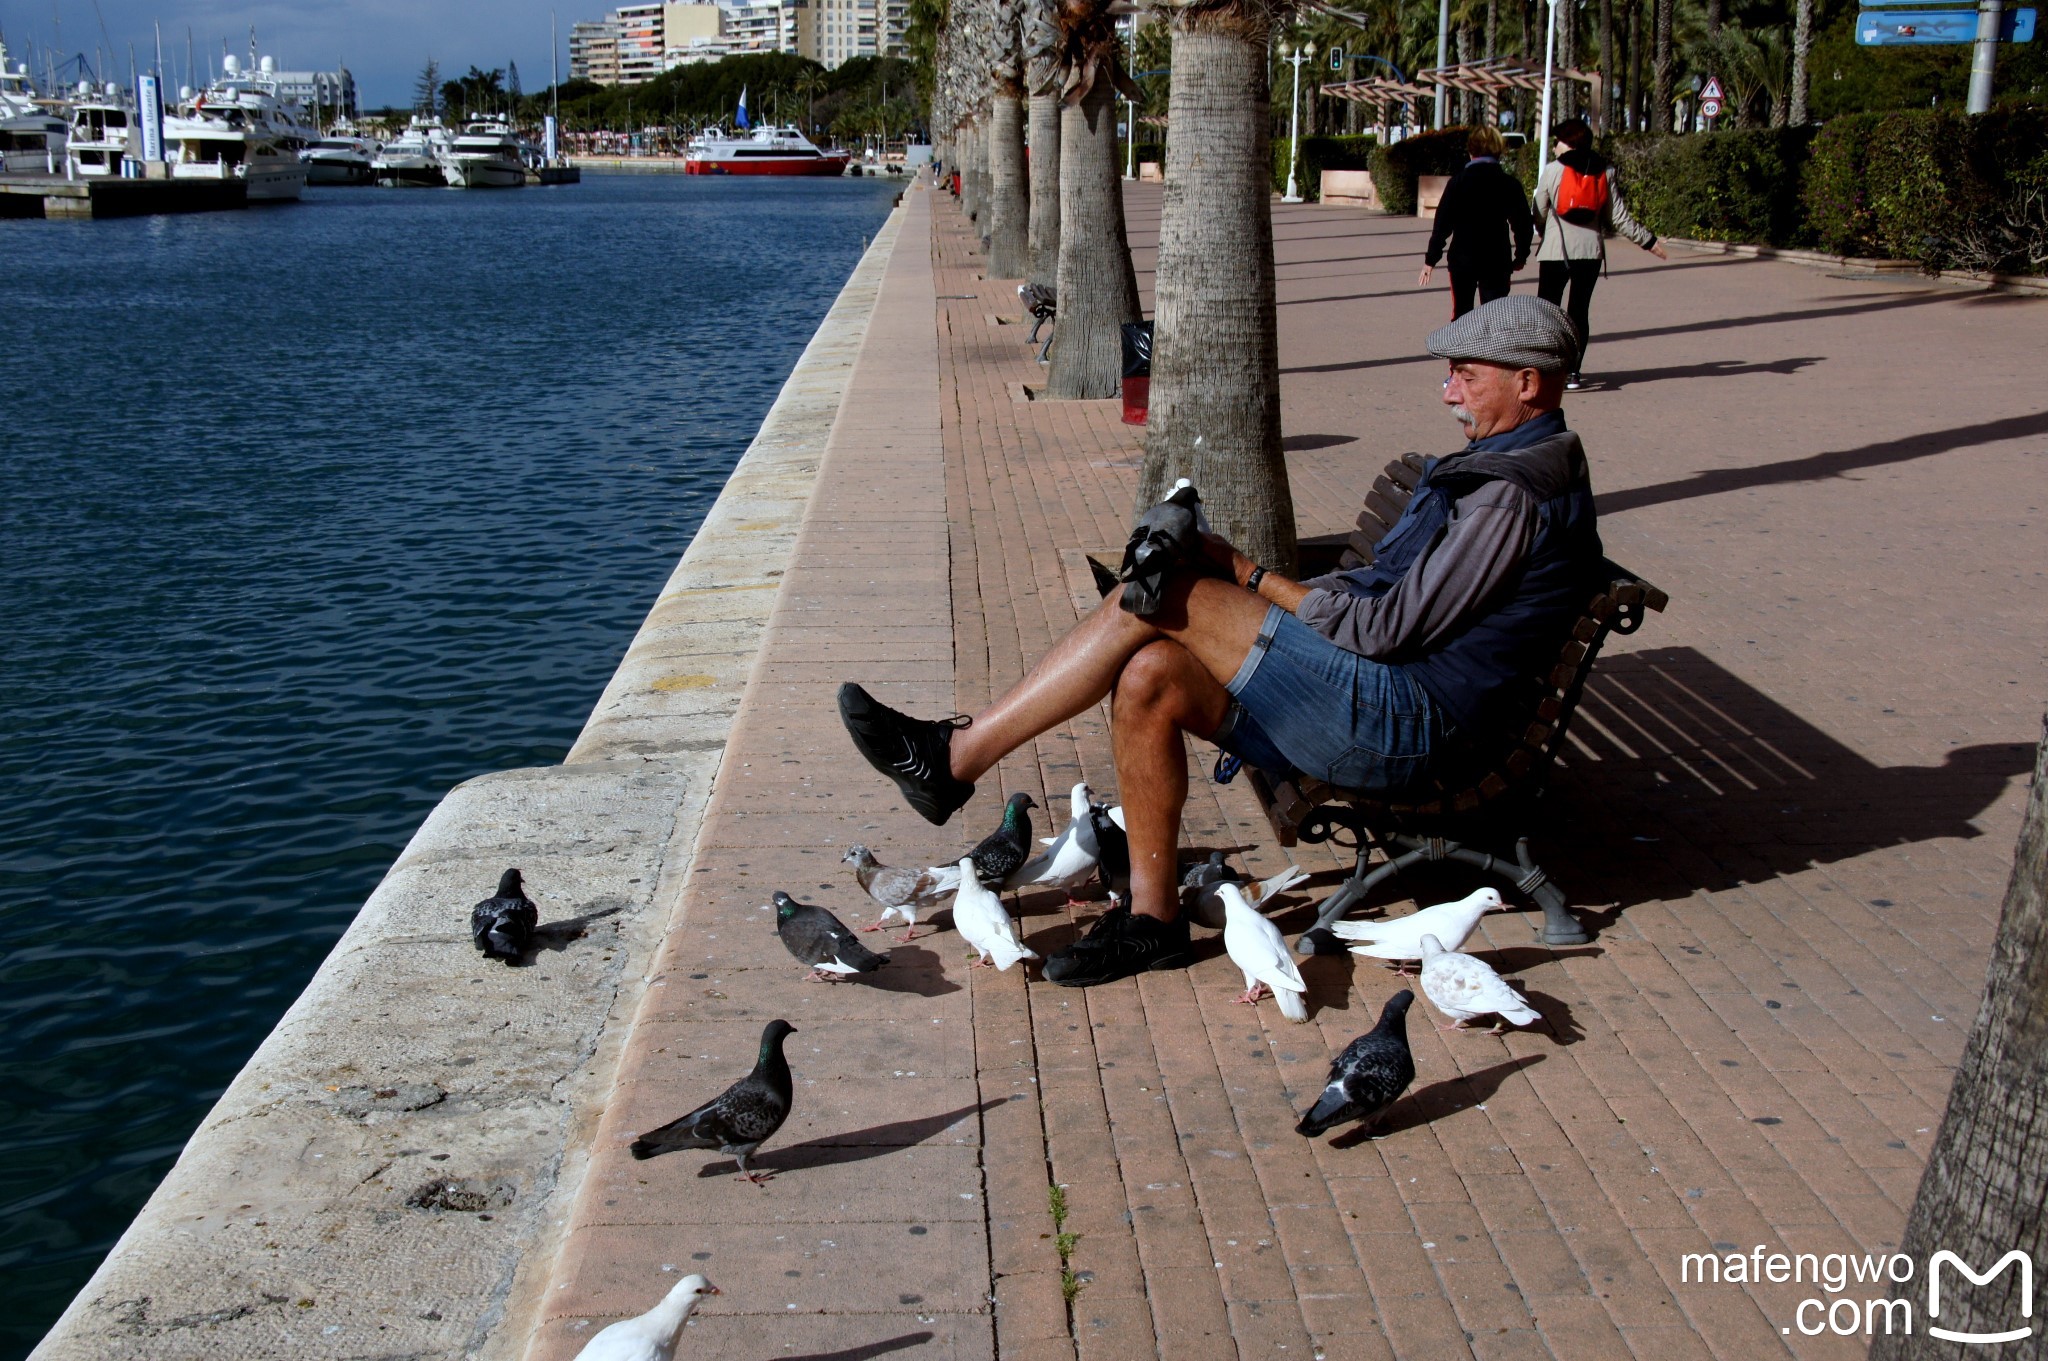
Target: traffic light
(1336, 59)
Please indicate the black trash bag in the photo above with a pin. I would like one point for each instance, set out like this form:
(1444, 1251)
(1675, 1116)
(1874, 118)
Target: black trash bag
(1137, 349)
(1166, 538)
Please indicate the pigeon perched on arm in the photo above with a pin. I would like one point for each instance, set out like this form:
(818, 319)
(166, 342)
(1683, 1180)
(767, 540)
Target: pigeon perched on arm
(1369, 1076)
(502, 925)
(653, 1335)
(982, 921)
(1166, 537)
(821, 940)
(739, 1119)
(1069, 859)
(1003, 852)
(1400, 940)
(1464, 988)
(1256, 948)
(901, 892)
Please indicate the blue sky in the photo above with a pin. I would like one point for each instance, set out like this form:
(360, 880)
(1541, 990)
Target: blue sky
(384, 42)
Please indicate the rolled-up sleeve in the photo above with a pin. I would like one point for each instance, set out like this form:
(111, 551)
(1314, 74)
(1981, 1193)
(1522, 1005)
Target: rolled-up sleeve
(1480, 552)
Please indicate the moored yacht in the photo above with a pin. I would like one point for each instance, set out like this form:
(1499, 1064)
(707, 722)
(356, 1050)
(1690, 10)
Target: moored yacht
(340, 157)
(762, 151)
(102, 121)
(414, 156)
(238, 129)
(486, 156)
(31, 137)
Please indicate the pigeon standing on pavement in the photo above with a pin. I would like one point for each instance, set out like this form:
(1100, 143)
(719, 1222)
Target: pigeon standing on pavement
(1464, 988)
(821, 940)
(739, 1119)
(982, 921)
(1112, 851)
(1256, 948)
(1202, 881)
(901, 892)
(1369, 1076)
(1400, 940)
(502, 925)
(653, 1335)
(1069, 859)
(1003, 852)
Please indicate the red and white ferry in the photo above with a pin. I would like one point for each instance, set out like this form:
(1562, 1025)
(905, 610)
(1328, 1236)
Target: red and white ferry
(761, 151)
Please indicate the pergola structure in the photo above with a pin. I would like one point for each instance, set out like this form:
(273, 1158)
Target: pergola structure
(1488, 79)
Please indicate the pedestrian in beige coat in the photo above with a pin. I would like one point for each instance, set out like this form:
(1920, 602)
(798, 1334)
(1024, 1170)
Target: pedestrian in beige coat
(1578, 201)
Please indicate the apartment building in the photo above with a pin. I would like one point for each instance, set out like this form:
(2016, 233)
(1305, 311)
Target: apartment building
(637, 42)
(754, 27)
(594, 51)
(640, 41)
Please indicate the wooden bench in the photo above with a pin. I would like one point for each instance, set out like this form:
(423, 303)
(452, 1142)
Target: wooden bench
(1475, 820)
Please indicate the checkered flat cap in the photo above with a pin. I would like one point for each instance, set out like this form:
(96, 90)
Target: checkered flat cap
(1521, 331)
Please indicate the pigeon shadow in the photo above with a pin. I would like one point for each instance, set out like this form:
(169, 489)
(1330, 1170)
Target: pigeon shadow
(1557, 1016)
(557, 936)
(1329, 983)
(1425, 1105)
(867, 1349)
(911, 969)
(876, 1141)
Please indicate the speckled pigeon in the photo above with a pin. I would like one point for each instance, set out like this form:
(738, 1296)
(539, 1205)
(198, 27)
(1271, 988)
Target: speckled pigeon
(1004, 851)
(502, 925)
(739, 1119)
(1369, 1076)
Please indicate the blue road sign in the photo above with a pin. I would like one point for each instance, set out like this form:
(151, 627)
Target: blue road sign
(1918, 27)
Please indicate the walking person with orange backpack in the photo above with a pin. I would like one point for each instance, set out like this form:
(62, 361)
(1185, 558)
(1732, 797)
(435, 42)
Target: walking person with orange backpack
(1578, 201)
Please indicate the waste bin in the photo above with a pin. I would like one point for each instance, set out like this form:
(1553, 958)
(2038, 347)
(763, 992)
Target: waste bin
(1137, 385)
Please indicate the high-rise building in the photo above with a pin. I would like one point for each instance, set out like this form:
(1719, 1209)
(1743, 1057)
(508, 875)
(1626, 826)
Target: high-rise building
(640, 41)
(594, 51)
(833, 31)
(637, 42)
(754, 27)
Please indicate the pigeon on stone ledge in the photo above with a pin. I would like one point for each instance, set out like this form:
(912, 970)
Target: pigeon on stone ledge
(502, 925)
(739, 1119)
(821, 940)
(901, 892)
(1369, 1076)
(653, 1335)
(1465, 988)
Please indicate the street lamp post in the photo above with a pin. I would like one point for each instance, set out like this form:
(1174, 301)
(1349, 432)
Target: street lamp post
(1305, 52)
(1543, 118)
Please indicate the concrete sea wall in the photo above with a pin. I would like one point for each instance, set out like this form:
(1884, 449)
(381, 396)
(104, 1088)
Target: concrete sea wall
(388, 1174)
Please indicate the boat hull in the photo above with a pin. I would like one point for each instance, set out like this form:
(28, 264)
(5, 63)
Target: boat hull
(267, 183)
(339, 172)
(827, 165)
(479, 174)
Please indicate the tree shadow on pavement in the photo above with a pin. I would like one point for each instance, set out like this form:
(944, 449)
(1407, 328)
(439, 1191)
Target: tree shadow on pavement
(1425, 1105)
(1835, 463)
(1712, 368)
(855, 1146)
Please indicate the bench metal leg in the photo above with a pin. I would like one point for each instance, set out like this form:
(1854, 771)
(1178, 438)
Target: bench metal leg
(1560, 927)
(1046, 349)
(1036, 322)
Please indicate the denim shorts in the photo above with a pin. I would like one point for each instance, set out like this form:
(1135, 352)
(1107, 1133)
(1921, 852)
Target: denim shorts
(1303, 705)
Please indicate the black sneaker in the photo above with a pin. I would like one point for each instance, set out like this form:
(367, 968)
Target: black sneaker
(1574, 382)
(910, 751)
(1121, 943)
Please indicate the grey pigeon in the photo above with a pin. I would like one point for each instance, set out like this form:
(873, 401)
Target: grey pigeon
(502, 925)
(739, 1119)
(1166, 537)
(821, 940)
(901, 892)
(1068, 860)
(1369, 1076)
(1004, 851)
(1205, 903)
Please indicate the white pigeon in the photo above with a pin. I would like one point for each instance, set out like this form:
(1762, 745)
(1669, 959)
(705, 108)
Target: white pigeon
(1256, 948)
(653, 1335)
(1069, 859)
(1464, 987)
(979, 917)
(1401, 939)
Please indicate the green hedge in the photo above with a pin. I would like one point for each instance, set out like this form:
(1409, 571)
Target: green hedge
(1396, 166)
(1319, 154)
(1720, 186)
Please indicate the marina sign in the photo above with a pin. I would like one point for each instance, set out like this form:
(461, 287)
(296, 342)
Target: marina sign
(1919, 27)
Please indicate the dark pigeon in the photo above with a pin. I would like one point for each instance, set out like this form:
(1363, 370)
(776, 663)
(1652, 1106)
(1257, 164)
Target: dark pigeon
(1369, 1076)
(502, 925)
(1166, 537)
(1112, 853)
(1003, 851)
(739, 1119)
(1201, 881)
(821, 940)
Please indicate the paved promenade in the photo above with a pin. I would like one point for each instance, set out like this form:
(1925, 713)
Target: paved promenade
(1788, 817)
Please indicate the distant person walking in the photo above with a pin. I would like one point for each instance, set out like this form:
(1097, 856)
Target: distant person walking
(1578, 201)
(1484, 216)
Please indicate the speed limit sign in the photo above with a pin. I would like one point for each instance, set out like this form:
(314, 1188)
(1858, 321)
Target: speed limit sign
(1710, 108)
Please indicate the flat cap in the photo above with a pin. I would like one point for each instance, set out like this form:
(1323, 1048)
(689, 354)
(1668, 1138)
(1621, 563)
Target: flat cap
(1521, 331)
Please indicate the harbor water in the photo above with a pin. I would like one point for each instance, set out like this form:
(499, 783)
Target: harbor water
(308, 513)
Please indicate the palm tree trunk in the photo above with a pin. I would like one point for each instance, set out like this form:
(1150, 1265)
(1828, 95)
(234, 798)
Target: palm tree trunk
(1097, 289)
(1660, 111)
(1009, 194)
(1608, 67)
(1215, 403)
(1986, 1181)
(1043, 235)
(1636, 103)
(1802, 51)
(970, 185)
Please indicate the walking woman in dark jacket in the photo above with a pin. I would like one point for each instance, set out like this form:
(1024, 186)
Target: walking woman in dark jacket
(1484, 215)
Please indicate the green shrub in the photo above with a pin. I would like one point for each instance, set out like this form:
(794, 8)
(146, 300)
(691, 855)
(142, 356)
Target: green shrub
(1720, 186)
(1396, 167)
(1319, 154)
(1836, 194)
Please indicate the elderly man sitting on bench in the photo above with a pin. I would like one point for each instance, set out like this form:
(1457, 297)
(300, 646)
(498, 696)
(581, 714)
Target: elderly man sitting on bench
(1369, 679)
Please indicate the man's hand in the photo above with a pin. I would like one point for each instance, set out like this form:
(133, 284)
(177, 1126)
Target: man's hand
(1422, 279)
(1657, 249)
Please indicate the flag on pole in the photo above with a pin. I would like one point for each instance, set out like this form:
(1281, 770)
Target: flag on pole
(740, 120)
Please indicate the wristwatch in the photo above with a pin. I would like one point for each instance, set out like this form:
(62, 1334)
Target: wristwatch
(1253, 578)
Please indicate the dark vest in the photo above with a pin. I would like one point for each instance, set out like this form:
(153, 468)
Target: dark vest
(1479, 676)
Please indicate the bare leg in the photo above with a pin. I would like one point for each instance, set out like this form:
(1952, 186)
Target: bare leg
(1162, 692)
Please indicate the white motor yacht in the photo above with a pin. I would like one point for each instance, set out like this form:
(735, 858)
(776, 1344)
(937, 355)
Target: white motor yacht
(102, 121)
(31, 137)
(414, 156)
(341, 157)
(238, 129)
(486, 156)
